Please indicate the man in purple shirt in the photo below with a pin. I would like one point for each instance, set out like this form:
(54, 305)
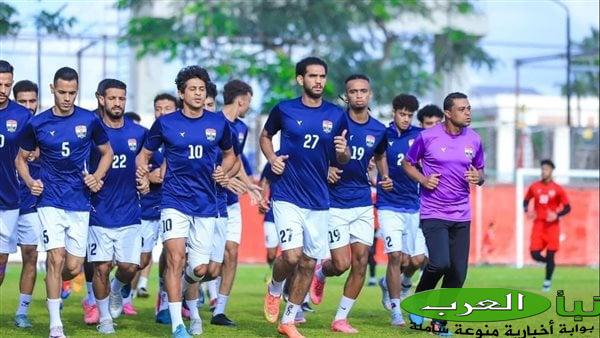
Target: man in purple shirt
(451, 157)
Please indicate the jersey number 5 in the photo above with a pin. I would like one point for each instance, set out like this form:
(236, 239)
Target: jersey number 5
(65, 150)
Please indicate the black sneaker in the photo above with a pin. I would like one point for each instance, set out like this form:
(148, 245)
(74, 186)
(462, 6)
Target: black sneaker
(142, 293)
(306, 307)
(222, 320)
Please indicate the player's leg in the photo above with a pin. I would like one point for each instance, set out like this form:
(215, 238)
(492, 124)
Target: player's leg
(128, 245)
(459, 235)
(162, 314)
(100, 252)
(229, 267)
(8, 237)
(392, 228)
(338, 239)
(175, 230)
(372, 263)
(75, 243)
(149, 232)
(553, 239)
(141, 288)
(91, 315)
(28, 229)
(271, 242)
(414, 249)
(438, 246)
(288, 221)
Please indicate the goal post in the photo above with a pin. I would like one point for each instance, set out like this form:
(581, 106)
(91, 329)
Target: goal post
(520, 186)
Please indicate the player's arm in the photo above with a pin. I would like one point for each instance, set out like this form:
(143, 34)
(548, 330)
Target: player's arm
(272, 126)
(253, 189)
(141, 162)
(383, 169)
(35, 186)
(410, 161)
(220, 174)
(342, 151)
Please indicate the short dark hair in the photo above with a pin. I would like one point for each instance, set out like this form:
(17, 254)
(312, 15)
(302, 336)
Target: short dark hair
(309, 61)
(235, 88)
(547, 162)
(449, 100)
(6, 67)
(106, 84)
(430, 110)
(133, 116)
(211, 90)
(357, 77)
(405, 101)
(67, 74)
(166, 96)
(191, 72)
(24, 86)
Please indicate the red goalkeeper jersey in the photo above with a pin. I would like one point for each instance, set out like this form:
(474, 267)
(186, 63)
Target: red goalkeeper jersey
(546, 197)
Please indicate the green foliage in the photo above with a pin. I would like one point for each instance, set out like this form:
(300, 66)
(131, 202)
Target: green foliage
(586, 83)
(7, 26)
(257, 40)
(54, 23)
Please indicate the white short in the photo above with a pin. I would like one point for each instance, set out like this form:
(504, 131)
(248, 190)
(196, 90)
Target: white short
(271, 239)
(149, 232)
(413, 241)
(218, 249)
(8, 235)
(234, 223)
(64, 229)
(29, 228)
(122, 244)
(301, 228)
(347, 226)
(392, 225)
(201, 234)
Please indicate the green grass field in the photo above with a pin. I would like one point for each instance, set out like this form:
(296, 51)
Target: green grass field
(245, 306)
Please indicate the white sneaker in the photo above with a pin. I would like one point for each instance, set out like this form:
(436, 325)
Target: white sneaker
(397, 319)
(195, 327)
(106, 327)
(115, 304)
(56, 332)
(385, 295)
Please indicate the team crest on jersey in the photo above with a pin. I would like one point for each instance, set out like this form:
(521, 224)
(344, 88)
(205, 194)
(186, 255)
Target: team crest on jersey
(11, 125)
(81, 131)
(469, 152)
(132, 143)
(327, 126)
(211, 134)
(411, 141)
(241, 138)
(370, 140)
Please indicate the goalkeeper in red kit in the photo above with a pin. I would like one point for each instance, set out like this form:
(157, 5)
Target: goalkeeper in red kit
(550, 204)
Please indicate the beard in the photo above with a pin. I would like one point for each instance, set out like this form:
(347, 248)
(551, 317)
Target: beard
(312, 94)
(114, 115)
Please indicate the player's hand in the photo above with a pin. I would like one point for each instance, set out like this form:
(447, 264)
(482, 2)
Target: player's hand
(255, 193)
(220, 177)
(143, 185)
(236, 186)
(155, 176)
(36, 187)
(531, 214)
(386, 183)
(472, 175)
(334, 174)
(278, 164)
(92, 182)
(431, 182)
(340, 142)
(142, 171)
(551, 216)
(33, 155)
(263, 206)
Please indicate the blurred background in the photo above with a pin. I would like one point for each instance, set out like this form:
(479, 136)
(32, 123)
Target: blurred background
(530, 68)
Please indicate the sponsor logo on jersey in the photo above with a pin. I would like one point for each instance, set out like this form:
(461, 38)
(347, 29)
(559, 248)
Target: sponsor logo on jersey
(370, 140)
(132, 143)
(11, 125)
(81, 131)
(211, 134)
(411, 141)
(469, 152)
(327, 126)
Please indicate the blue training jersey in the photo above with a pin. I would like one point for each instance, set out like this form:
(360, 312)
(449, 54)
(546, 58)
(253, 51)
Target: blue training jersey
(28, 201)
(405, 195)
(117, 204)
(150, 202)
(239, 132)
(13, 119)
(65, 143)
(191, 147)
(268, 175)
(307, 135)
(353, 188)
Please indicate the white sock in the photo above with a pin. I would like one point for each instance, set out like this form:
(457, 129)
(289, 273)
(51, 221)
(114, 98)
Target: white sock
(307, 297)
(319, 274)
(344, 308)
(54, 311)
(163, 303)
(175, 311)
(276, 288)
(221, 303)
(116, 285)
(193, 307)
(395, 305)
(213, 289)
(127, 300)
(24, 301)
(289, 313)
(142, 282)
(90, 299)
(406, 280)
(103, 308)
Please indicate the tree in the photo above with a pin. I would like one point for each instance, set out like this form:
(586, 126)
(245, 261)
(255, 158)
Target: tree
(8, 27)
(258, 39)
